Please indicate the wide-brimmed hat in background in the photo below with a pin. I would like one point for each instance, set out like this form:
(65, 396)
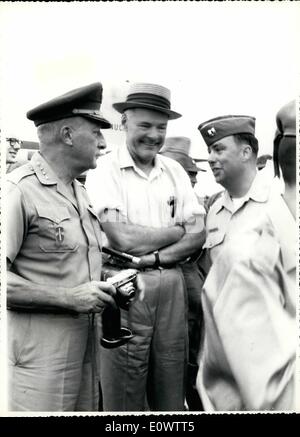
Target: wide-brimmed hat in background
(178, 148)
(148, 96)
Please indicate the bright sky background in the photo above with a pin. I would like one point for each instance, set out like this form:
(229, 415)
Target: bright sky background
(217, 58)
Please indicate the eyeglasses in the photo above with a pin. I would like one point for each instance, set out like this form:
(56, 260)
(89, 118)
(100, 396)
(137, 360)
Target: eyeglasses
(14, 141)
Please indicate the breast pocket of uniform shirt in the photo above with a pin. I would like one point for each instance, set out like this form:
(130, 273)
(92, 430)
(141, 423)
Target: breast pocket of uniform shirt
(56, 233)
(214, 238)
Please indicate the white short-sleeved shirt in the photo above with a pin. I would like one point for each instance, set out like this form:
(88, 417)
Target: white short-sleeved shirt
(158, 200)
(224, 221)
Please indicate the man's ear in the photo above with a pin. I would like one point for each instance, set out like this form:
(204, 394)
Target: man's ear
(66, 135)
(247, 152)
(124, 121)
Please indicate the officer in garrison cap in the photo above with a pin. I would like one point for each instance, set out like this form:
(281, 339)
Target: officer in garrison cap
(147, 207)
(232, 148)
(249, 294)
(54, 292)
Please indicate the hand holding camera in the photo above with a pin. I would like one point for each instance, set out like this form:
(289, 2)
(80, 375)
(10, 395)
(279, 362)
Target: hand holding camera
(124, 282)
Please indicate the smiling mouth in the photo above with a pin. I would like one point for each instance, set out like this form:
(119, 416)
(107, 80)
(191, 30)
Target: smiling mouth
(151, 146)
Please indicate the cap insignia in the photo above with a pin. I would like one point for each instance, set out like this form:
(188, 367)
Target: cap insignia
(211, 132)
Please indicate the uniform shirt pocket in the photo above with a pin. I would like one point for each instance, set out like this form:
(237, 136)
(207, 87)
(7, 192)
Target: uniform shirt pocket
(56, 233)
(213, 239)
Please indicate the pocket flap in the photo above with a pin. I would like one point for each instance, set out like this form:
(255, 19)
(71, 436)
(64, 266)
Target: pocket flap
(213, 239)
(56, 214)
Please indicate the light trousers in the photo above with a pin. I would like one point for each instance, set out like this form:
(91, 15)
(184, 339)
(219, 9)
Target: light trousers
(150, 370)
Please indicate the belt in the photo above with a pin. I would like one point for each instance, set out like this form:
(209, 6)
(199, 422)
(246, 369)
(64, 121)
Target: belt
(113, 262)
(166, 267)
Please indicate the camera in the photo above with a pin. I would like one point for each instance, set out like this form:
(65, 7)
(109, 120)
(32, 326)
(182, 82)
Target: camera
(125, 284)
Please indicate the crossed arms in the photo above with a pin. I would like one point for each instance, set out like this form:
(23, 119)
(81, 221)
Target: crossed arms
(174, 243)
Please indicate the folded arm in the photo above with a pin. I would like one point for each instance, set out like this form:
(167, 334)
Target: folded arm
(140, 240)
(190, 243)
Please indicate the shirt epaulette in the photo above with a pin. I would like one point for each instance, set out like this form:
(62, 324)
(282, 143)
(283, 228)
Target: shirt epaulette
(20, 173)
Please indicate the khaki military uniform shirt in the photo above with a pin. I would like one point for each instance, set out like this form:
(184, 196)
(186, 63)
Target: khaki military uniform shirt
(224, 222)
(51, 238)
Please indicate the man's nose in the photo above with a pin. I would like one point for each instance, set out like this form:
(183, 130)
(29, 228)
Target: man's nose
(16, 146)
(101, 146)
(153, 133)
(211, 157)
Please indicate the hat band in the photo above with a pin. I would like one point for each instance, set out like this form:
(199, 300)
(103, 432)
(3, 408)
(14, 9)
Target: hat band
(149, 99)
(86, 112)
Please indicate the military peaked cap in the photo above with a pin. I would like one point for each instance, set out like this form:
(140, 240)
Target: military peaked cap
(84, 102)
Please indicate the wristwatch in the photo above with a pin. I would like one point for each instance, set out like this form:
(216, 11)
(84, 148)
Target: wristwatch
(157, 260)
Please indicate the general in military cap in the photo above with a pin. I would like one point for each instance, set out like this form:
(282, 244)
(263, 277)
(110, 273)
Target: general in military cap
(84, 102)
(217, 128)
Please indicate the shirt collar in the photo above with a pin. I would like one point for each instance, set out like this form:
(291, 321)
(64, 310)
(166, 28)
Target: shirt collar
(43, 170)
(126, 161)
(258, 192)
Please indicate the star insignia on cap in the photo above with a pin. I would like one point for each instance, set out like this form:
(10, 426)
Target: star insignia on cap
(211, 132)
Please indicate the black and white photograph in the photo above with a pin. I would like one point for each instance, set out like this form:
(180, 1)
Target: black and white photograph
(149, 210)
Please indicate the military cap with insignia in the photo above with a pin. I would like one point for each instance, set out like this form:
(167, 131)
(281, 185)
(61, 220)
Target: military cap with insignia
(84, 102)
(217, 128)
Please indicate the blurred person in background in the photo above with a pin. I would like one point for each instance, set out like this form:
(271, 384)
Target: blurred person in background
(13, 145)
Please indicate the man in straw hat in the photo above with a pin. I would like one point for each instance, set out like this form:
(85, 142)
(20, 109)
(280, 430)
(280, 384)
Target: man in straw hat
(178, 149)
(148, 208)
(248, 359)
(54, 290)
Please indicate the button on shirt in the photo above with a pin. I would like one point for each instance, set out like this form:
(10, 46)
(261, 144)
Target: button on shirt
(224, 221)
(52, 237)
(158, 200)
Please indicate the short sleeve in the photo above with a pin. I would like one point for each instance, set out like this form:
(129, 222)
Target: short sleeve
(104, 187)
(15, 220)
